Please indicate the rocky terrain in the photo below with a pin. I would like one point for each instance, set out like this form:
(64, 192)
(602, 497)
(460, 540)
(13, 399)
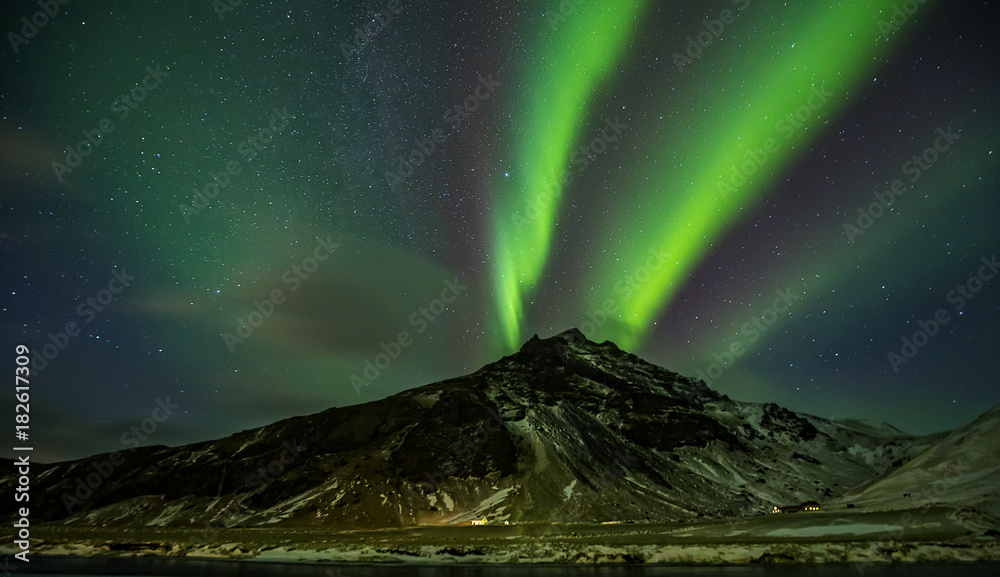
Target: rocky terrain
(564, 430)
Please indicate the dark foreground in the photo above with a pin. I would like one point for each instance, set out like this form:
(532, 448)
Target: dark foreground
(931, 536)
(172, 567)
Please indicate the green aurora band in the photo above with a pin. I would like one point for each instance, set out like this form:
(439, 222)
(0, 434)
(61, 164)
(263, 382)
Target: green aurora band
(576, 57)
(810, 63)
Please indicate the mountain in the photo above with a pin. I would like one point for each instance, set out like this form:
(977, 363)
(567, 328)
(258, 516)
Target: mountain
(961, 469)
(563, 430)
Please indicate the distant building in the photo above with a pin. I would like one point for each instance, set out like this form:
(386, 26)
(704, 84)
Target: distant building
(484, 521)
(807, 506)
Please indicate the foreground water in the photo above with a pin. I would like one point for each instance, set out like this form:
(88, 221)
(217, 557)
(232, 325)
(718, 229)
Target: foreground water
(66, 567)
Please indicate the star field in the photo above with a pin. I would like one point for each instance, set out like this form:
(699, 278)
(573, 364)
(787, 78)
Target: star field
(774, 197)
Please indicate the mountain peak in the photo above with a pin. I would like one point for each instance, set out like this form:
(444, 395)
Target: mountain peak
(568, 364)
(572, 334)
(559, 345)
(568, 336)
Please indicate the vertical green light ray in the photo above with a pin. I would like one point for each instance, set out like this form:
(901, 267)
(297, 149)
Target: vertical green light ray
(826, 48)
(573, 60)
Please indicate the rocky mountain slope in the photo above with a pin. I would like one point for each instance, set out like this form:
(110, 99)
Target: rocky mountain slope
(563, 430)
(962, 469)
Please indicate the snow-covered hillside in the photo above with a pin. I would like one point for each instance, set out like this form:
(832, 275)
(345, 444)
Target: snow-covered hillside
(962, 469)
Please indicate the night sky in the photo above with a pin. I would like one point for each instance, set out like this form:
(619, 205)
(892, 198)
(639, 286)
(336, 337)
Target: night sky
(270, 196)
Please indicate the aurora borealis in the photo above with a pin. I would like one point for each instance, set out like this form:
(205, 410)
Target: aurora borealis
(579, 52)
(374, 196)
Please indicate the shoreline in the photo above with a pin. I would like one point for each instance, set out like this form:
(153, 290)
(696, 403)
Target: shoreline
(940, 534)
(854, 552)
